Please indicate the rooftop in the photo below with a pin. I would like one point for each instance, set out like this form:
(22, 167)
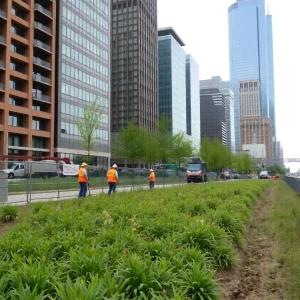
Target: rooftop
(170, 31)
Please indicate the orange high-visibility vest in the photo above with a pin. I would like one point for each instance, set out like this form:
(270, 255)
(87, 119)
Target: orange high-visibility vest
(152, 177)
(111, 175)
(81, 177)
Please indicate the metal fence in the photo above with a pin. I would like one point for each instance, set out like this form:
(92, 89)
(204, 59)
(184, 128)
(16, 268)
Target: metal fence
(26, 182)
(293, 182)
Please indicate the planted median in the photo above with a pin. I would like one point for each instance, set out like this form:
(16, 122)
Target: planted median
(151, 244)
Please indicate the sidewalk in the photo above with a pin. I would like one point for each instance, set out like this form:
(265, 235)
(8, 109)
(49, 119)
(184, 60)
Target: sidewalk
(23, 199)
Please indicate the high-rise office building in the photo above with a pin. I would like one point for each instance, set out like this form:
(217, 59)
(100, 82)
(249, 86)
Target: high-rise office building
(251, 55)
(172, 79)
(212, 110)
(271, 83)
(27, 77)
(134, 64)
(83, 60)
(249, 98)
(226, 89)
(257, 130)
(192, 100)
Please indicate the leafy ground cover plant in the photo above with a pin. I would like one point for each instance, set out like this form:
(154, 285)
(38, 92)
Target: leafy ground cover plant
(151, 244)
(8, 213)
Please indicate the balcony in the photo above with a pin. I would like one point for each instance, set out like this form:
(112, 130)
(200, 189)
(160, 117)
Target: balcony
(2, 40)
(2, 87)
(38, 43)
(2, 65)
(41, 78)
(41, 62)
(43, 10)
(42, 27)
(3, 14)
(40, 96)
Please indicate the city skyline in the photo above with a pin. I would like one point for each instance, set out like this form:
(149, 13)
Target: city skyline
(210, 20)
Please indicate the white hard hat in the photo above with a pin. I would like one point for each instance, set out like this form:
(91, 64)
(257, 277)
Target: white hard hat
(114, 166)
(151, 170)
(84, 164)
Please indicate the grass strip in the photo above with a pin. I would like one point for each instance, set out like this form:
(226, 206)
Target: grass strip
(284, 223)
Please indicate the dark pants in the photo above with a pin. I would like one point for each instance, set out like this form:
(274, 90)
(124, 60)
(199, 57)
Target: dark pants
(112, 187)
(83, 189)
(151, 185)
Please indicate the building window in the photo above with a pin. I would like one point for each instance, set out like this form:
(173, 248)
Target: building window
(16, 48)
(18, 12)
(15, 120)
(38, 143)
(14, 65)
(15, 101)
(38, 124)
(15, 29)
(16, 84)
(15, 140)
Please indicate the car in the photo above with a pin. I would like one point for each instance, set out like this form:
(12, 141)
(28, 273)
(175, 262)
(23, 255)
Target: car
(264, 175)
(227, 174)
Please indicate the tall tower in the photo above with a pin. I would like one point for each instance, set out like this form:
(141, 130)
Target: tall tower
(213, 110)
(27, 77)
(134, 64)
(251, 54)
(192, 100)
(83, 57)
(172, 79)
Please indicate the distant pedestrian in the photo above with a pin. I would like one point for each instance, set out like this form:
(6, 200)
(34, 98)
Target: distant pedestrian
(112, 179)
(151, 179)
(83, 180)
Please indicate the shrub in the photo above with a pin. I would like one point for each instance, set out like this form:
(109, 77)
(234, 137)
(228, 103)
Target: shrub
(8, 213)
(198, 283)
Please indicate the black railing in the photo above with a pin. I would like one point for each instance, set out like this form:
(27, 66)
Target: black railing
(41, 62)
(38, 43)
(40, 96)
(42, 9)
(293, 182)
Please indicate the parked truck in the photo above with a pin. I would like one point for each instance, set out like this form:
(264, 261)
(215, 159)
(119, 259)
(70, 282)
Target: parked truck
(196, 171)
(44, 168)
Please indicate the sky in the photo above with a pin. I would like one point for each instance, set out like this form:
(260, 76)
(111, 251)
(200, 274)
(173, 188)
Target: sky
(203, 26)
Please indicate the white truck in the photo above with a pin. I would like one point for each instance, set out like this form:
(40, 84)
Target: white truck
(43, 169)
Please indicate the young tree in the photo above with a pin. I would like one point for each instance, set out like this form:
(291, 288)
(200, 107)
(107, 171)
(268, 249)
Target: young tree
(89, 125)
(131, 143)
(181, 147)
(151, 148)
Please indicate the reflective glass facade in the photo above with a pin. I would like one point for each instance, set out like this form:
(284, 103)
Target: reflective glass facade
(134, 64)
(172, 82)
(271, 85)
(192, 100)
(83, 74)
(227, 91)
(248, 51)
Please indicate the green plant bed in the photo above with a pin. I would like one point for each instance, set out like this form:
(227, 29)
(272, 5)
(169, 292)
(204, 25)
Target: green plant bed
(149, 244)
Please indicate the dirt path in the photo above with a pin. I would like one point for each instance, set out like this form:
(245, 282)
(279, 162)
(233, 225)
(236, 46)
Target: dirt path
(259, 274)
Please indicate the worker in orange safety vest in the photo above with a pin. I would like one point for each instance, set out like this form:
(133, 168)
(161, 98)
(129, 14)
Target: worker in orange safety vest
(151, 179)
(112, 179)
(83, 180)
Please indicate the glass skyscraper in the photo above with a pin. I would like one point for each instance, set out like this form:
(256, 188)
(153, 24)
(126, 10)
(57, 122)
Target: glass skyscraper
(251, 55)
(226, 89)
(83, 55)
(172, 79)
(192, 100)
